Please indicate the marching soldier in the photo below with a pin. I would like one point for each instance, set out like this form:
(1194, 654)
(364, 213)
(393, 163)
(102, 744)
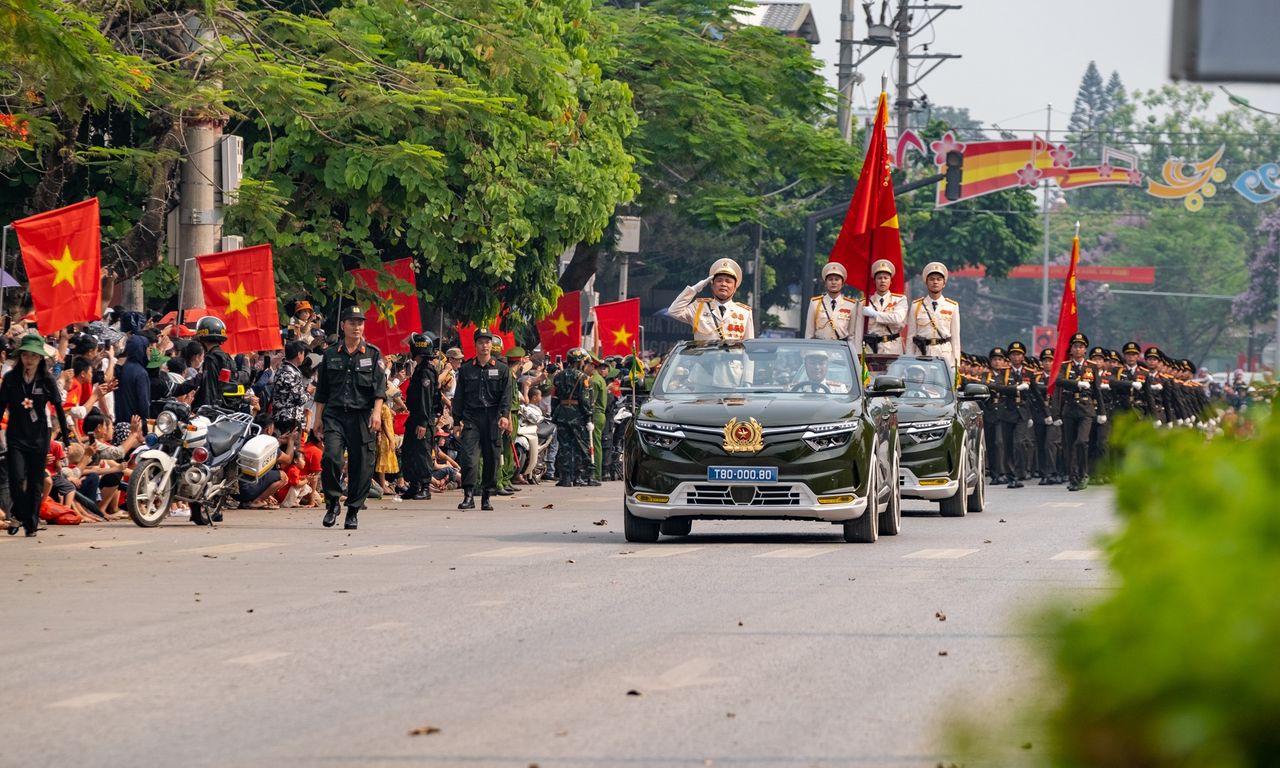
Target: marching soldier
(1078, 401)
(1131, 382)
(882, 314)
(1050, 437)
(1038, 412)
(1013, 412)
(832, 315)
(1100, 439)
(719, 318)
(986, 368)
(933, 322)
(482, 405)
(1160, 411)
(571, 409)
(422, 398)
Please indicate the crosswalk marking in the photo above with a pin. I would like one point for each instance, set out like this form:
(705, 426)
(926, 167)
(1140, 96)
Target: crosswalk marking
(105, 544)
(658, 552)
(86, 700)
(795, 552)
(373, 550)
(260, 657)
(1063, 504)
(231, 548)
(1077, 554)
(514, 551)
(939, 554)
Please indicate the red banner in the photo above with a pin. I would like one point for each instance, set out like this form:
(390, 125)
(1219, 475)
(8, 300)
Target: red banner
(618, 326)
(390, 332)
(1095, 274)
(62, 251)
(561, 330)
(240, 290)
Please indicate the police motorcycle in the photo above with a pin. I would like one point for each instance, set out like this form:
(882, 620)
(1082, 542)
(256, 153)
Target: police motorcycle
(533, 440)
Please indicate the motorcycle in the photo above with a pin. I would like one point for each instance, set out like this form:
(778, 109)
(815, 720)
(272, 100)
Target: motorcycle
(197, 459)
(533, 438)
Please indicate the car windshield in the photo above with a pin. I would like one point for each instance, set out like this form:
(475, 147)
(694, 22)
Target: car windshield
(784, 367)
(924, 379)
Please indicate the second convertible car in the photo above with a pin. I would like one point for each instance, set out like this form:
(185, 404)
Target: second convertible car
(763, 429)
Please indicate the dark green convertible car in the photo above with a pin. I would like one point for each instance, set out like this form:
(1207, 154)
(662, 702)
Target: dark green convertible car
(944, 457)
(778, 429)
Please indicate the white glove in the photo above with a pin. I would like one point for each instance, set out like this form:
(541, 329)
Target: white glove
(1023, 387)
(1082, 384)
(868, 312)
(703, 283)
(1031, 423)
(1157, 387)
(1102, 419)
(1158, 422)
(1048, 420)
(1057, 422)
(1137, 385)
(1104, 385)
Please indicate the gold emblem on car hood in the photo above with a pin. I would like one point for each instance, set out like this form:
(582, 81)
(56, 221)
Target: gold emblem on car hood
(743, 436)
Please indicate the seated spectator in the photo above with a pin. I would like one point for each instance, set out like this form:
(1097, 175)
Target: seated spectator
(66, 484)
(104, 471)
(297, 491)
(446, 473)
(260, 493)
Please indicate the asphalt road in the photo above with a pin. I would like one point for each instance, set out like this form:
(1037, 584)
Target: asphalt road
(519, 633)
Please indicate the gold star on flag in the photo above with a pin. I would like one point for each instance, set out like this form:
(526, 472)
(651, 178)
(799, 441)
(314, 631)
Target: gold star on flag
(65, 268)
(622, 336)
(561, 324)
(238, 300)
(389, 317)
(891, 222)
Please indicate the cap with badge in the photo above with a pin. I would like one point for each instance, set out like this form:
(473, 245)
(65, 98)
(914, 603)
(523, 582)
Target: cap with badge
(1017, 346)
(728, 267)
(1153, 353)
(1047, 353)
(353, 312)
(832, 268)
(996, 352)
(482, 334)
(1097, 352)
(883, 265)
(1079, 338)
(932, 268)
(1131, 347)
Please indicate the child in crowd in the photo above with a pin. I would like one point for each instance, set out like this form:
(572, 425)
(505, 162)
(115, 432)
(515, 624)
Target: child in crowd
(297, 491)
(446, 473)
(68, 481)
(103, 469)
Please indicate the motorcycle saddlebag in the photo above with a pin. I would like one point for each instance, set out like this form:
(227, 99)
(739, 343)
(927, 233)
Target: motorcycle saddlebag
(258, 455)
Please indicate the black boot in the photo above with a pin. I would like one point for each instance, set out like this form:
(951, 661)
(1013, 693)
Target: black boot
(565, 481)
(468, 501)
(484, 502)
(504, 492)
(331, 513)
(410, 493)
(424, 494)
(352, 522)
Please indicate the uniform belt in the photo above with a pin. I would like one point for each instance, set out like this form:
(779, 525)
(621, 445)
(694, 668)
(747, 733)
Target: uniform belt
(933, 342)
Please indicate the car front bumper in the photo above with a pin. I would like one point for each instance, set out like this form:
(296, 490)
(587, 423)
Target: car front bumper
(769, 501)
(931, 488)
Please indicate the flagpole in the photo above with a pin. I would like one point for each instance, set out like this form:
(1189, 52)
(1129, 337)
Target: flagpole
(4, 261)
(182, 284)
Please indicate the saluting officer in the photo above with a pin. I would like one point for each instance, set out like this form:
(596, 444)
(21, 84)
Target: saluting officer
(933, 321)
(482, 405)
(719, 318)
(831, 315)
(348, 397)
(422, 397)
(883, 314)
(1078, 405)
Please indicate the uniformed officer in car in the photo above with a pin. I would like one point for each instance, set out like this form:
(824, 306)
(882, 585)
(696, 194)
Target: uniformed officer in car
(482, 405)
(349, 394)
(882, 314)
(422, 398)
(832, 315)
(719, 318)
(933, 321)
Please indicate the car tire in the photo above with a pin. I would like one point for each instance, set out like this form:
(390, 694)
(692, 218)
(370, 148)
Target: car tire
(955, 506)
(866, 529)
(676, 526)
(639, 530)
(891, 517)
(977, 500)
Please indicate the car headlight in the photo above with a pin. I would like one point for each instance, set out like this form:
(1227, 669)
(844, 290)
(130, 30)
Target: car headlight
(926, 431)
(658, 435)
(166, 423)
(824, 437)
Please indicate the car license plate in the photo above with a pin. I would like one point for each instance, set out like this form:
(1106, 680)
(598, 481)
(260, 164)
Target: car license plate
(742, 474)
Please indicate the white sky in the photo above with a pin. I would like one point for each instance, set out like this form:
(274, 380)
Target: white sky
(1019, 55)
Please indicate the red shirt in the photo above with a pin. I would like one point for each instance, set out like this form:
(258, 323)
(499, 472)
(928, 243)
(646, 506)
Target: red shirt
(314, 454)
(58, 453)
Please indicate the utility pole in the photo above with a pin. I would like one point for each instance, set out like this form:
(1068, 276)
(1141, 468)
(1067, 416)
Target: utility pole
(199, 217)
(844, 73)
(1044, 285)
(902, 26)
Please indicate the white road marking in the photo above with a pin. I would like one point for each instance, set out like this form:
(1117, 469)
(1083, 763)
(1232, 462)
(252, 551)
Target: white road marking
(488, 603)
(800, 551)
(232, 548)
(658, 552)
(1078, 554)
(373, 550)
(258, 658)
(107, 544)
(684, 675)
(383, 626)
(939, 554)
(86, 700)
(1063, 504)
(514, 551)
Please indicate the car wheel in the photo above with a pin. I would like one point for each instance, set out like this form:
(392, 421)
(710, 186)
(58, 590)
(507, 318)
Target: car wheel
(891, 517)
(676, 526)
(954, 506)
(866, 529)
(978, 496)
(639, 529)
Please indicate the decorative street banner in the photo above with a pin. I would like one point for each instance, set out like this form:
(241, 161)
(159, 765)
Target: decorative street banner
(1191, 188)
(1097, 274)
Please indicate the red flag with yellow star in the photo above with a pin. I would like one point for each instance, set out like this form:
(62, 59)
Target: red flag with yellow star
(618, 326)
(240, 290)
(561, 330)
(62, 252)
(1068, 316)
(389, 330)
(870, 229)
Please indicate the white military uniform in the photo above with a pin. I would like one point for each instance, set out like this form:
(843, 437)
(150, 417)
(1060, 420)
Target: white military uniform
(891, 315)
(711, 319)
(937, 321)
(831, 317)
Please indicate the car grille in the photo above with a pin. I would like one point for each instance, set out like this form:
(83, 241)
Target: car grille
(743, 496)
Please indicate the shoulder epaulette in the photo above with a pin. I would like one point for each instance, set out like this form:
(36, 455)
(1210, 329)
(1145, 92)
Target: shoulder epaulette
(744, 306)
(816, 298)
(953, 301)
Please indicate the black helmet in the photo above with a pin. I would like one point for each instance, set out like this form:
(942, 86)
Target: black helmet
(210, 328)
(421, 344)
(578, 355)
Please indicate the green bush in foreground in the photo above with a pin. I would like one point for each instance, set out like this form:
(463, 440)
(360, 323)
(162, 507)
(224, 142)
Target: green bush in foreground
(1180, 666)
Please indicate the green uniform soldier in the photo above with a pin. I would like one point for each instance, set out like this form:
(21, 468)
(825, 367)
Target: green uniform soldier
(481, 404)
(571, 409)
(348, 397)
(599, 401)
(507, 475)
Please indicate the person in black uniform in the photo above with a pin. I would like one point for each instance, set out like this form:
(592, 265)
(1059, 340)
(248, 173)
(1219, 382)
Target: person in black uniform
(218, 369)
(482, 405)
(1079, 406)
(349, 394)
(1100, 440)
(423, 401)
(26, 392)
(1051, 469)
(1132, 394)
(1013, 412)
(571, 410)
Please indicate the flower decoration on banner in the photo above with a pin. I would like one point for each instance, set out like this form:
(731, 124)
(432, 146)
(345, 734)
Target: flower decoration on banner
(1028, 175)
(1061, 156)
(1189, 182)
(944, 145)
(1106, 170)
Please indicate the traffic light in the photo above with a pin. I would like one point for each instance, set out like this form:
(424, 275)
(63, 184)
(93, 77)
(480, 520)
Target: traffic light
(955, 169)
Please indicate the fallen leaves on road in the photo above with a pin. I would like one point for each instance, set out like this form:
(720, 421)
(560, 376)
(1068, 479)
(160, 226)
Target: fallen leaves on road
(212, 557)
(730, 715)
(549, 506)
(633, 692)
(562, 733)
(425, 730)
(1002, 519)
(525, 505)
(340, 591)
(569, 561)
(249, 611)
(940, 616)
(601, 522)
(942, 653)
(739, 622)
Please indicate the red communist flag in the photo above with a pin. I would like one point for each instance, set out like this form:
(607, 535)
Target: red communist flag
(561, 330)
(618, 326)
(870, 229)
(388, 331)
(1068, 317)
(466, 335)
(240, 290)
(62, 252)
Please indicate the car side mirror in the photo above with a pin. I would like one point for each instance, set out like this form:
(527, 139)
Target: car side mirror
(975, 391)
(887, 386)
